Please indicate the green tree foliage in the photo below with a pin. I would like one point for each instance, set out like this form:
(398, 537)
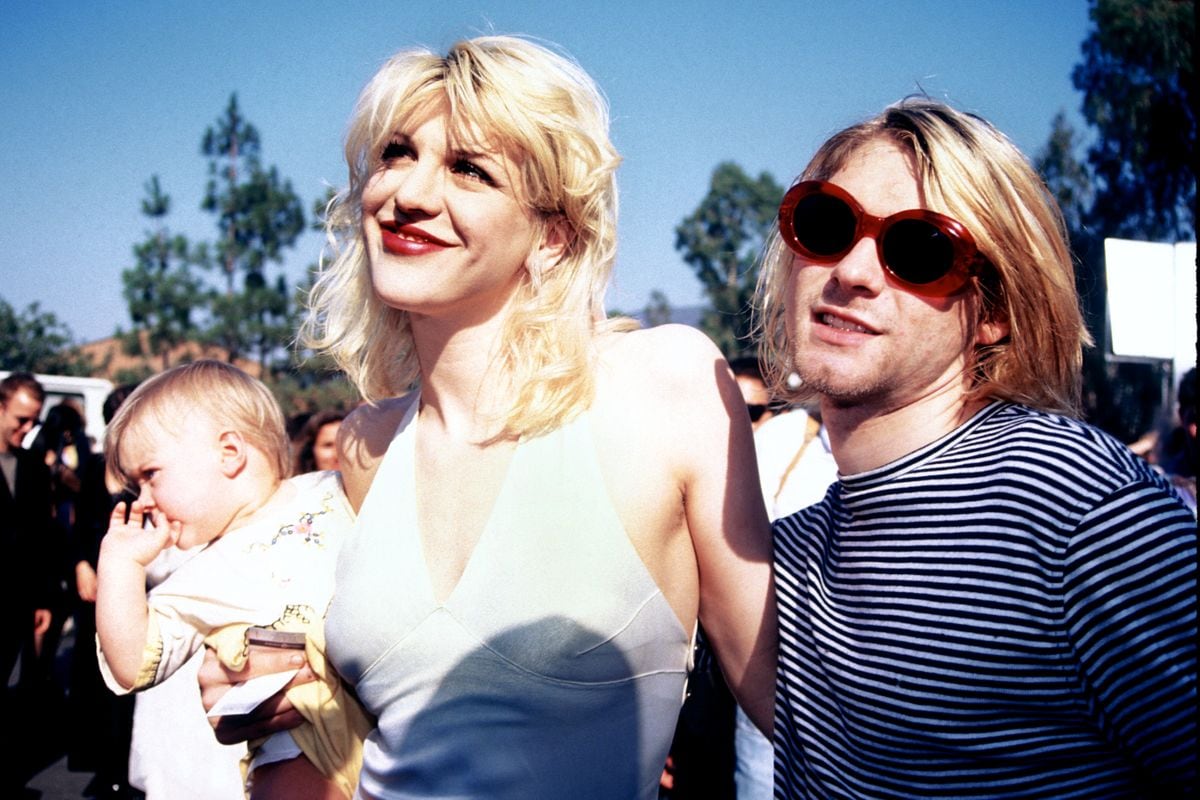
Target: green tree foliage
(313, 382)
(1138, 182)
(1137, 77)
(721, 240)
(162, 292)
(1067, 178)
(258, 217)
(36, 341)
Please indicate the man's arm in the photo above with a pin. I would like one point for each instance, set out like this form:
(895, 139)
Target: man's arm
(1130, 600)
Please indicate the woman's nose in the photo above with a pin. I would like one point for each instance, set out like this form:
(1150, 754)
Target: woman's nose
(418, 189)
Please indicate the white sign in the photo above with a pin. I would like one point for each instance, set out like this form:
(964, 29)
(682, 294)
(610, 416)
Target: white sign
(1152, 300)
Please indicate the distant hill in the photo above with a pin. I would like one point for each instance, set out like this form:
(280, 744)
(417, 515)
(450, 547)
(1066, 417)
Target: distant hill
(110, 359)
(683, 315)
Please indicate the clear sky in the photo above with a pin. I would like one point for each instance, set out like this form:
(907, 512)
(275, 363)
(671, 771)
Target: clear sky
(97, 97)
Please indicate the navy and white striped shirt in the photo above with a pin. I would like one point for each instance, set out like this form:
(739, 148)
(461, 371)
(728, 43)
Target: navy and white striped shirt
(1007, 612)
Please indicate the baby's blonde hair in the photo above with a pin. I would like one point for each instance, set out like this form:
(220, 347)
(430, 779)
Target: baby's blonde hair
(229, 397)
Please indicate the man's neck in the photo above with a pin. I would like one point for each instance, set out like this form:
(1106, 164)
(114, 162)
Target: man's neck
(865, 437)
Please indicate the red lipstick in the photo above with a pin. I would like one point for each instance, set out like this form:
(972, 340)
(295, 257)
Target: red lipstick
(409, 240)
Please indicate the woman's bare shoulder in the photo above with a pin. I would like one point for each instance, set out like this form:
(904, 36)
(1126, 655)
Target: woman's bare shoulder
(664, 349)
(669, 374)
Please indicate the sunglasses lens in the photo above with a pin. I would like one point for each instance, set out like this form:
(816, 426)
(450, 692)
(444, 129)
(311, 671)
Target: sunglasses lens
(918, 252)
(824, 225)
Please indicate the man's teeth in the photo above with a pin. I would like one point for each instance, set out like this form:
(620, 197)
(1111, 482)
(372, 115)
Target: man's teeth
(838, 322)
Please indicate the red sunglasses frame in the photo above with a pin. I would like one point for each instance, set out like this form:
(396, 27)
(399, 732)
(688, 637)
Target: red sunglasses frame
(966, 262)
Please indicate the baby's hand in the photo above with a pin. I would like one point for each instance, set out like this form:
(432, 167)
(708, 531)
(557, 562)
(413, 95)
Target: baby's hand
(133, 539)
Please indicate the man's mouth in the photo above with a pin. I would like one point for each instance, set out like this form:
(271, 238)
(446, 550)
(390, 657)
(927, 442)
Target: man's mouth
(834, 321)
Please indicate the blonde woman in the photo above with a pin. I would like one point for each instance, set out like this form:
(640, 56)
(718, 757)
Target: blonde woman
(548, 499)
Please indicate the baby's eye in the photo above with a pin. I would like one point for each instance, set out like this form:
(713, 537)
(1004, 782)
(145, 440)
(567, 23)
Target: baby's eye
(471, 170)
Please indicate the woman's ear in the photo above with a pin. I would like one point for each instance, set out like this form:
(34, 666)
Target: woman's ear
(550, 250)
(233, 449)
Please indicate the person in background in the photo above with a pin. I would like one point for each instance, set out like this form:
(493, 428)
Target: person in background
(316, 445)
(64, 447)
(27, 569)
(995, 599)
(1177, 458)
(100, 729)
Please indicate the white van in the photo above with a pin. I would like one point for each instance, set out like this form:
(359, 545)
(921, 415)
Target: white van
(88, 392)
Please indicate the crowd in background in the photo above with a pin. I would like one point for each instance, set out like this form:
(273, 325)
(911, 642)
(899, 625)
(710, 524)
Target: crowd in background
(55, 680)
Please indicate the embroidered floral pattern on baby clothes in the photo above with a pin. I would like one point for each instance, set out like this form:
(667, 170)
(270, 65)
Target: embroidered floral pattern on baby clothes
(305, 527)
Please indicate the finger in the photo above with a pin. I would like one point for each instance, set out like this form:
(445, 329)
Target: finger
(215, 678)
(118, 514)
(232, 730)
(264, 660)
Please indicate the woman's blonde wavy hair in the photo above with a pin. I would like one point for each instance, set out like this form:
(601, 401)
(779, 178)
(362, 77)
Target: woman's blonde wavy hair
(517, 94)
(973, 173)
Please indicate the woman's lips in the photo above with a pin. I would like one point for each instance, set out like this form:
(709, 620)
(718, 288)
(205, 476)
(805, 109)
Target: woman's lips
(409, 240)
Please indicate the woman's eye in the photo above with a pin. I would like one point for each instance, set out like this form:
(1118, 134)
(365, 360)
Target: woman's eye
(465, 167)
(394, 151)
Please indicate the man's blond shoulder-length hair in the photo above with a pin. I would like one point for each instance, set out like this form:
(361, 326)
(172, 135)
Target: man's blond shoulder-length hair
(511, 93)
(170, 401)
(973, 173)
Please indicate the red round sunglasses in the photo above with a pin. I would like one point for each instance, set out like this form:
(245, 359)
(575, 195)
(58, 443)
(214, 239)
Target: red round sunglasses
(928, 253)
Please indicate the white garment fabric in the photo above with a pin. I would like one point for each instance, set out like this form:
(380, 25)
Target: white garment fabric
(776, 443)
(553, 669)
(173, 754)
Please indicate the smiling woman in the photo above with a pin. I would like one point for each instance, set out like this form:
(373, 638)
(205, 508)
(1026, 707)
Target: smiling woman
(517, 605)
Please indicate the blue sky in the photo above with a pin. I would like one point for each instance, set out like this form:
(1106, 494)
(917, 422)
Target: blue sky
(97, 97)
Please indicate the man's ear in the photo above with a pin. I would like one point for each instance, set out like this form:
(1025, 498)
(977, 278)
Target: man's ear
(233, 453)
(992, 331)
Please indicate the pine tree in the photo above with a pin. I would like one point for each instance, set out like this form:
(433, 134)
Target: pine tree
(162, 291)
(258, 216)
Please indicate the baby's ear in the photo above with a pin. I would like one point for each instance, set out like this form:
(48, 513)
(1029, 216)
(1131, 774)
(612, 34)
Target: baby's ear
(233, 453)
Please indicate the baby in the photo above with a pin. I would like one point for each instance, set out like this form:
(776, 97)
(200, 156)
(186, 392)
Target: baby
(203, 446)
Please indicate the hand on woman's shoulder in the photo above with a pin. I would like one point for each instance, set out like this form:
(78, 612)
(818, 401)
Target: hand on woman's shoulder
(363, 439)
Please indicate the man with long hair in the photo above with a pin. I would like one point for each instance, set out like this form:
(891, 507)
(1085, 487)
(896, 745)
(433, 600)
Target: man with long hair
(996, 600)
